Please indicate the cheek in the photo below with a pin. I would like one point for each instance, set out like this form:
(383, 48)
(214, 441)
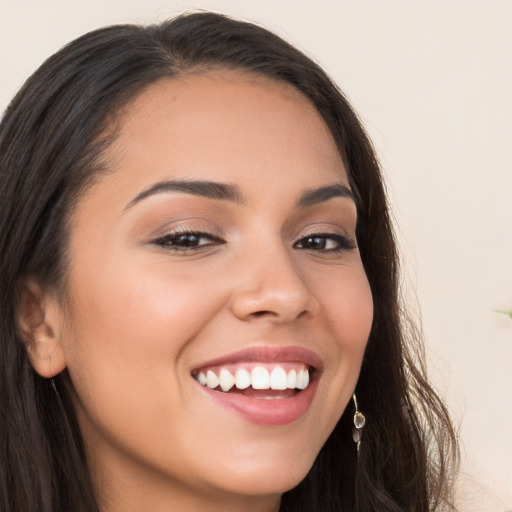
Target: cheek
(132, 307)
(127, 323)
(126, 338)
(349, 311)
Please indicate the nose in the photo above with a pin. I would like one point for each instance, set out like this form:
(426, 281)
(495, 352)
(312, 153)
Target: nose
(271, 286)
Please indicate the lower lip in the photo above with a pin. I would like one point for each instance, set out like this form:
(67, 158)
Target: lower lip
(272, 412)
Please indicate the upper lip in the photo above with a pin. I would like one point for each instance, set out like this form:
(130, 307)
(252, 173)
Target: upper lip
(268, 354)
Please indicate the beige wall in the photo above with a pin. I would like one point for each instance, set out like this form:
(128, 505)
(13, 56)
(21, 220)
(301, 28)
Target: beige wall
(432, 80)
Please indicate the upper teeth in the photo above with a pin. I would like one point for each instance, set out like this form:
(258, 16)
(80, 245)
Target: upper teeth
(259, 378)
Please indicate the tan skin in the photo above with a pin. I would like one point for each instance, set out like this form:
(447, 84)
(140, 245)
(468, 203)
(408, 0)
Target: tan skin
(143, 314)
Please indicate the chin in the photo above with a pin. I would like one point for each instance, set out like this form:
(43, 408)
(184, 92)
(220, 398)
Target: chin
(264, 479)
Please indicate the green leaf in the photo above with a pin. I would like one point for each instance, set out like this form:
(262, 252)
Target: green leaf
(503, 312)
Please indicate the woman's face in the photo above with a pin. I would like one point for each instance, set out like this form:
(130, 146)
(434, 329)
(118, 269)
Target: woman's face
(221, 244)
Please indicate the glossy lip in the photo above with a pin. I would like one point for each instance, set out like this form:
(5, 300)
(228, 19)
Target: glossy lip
(272, 412)
(267, 355)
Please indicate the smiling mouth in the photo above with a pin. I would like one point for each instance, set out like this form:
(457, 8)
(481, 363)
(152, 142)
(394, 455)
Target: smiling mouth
(264, 385)
(265, 381)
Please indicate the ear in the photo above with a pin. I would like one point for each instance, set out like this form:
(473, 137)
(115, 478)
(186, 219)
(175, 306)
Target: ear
(40, 324)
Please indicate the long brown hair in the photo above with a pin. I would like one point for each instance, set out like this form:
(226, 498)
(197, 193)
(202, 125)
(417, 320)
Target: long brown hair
(51, 140)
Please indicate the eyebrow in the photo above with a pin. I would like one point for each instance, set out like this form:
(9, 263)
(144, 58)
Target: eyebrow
(225, 192)
(322, 194)
(209, 189)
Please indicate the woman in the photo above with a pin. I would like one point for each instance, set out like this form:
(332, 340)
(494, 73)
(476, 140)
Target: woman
(198, 272)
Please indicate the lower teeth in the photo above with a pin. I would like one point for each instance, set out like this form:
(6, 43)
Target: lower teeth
(263, 394)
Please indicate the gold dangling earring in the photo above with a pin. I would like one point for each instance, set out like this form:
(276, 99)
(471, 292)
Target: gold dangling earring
(359, 422)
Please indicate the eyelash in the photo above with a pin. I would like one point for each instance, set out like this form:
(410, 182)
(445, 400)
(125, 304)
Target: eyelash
(171, 241)
(343, 243)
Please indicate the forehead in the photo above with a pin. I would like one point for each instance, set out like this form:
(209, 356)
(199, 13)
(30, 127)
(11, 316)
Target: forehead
(224, 126)
(201, 106)
(198, 94)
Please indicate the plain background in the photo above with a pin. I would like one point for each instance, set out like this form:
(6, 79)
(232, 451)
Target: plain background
(432, 81)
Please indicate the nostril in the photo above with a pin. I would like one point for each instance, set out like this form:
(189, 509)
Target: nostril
(262, 313)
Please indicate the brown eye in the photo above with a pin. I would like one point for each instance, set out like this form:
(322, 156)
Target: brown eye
(190, 241)
(328, 242)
